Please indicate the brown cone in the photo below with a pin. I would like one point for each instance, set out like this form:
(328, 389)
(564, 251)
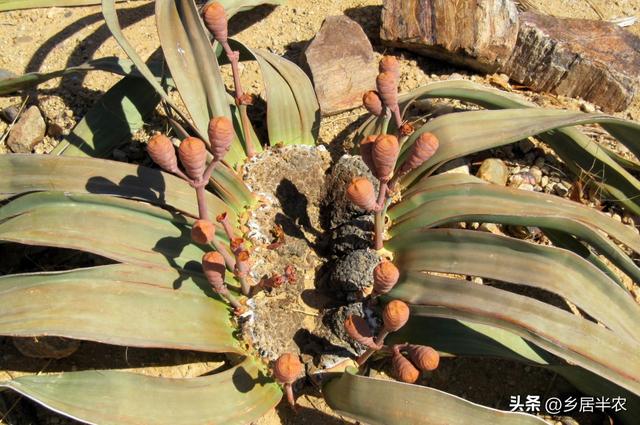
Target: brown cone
(423, 148)
(387, 86)
(287, 368)
(193, 155)
(372, 102)
(403, 370)
(359, 330)
(425, 358)
(384, 155)
(390, 64)
(366, 146)
(220, 136)
(214, 269)
(395, 315)
(163, 153)
(362, 193)
(203, 231)
(215, 19)
(385, 277)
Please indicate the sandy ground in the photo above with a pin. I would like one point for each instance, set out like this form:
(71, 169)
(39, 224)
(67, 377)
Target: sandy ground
(51, 39)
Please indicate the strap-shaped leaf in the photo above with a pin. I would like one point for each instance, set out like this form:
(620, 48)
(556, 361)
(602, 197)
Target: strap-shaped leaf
(110, 64)
(232, 7)
(562, 333)
(119, 229)
(293, 113)
(465, 338)
(128, 305)
(375, 401)
(511, 260)
(236, 396)
(498, 204)
(22, 173)
(6, 5)
(194, 66)
(119, 113)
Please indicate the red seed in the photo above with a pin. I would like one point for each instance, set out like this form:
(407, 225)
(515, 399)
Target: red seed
(215, 19)
(385, 277)
(214, 270)
(372, 102)
(395, 315)
(387, 86)
(384, 155)
(362, 194)
(422, 150)
(403, 370)
(162, 152)
(193, 155)
(220, 136)
(287, 368)
(203, 232)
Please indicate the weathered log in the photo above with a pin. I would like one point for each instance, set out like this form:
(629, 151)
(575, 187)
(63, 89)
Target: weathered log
(342, 64)
(595, 60)
(480, 34)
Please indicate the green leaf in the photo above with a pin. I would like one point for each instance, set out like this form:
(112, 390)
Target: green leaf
(6, 5)
(579, 152)
(440, 204)
(111, 19)
(109, 64)
(120, 229)
(515, 261)
(375, 401)
(577, 340)
(119, 113)
(239, 396)
(128, 305)
(194, 66)
(29, 173)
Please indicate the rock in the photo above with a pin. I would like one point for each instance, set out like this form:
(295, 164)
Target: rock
(494, 170)
(480, 34)
(592, 59)
(353, 273)
(526, 145)
(456, 166)
(46, 347)
(536, 173)
(353, 235)
(560, 190)
(544, 181)
(526, 186)
(336, 206)
(342, 64)
(27, 132)
(10, 113)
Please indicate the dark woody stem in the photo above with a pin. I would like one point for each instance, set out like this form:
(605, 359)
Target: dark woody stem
(288, 388)
(202, 201)
(379, 341)
(379, 217)
(231, 299)
(241, 102)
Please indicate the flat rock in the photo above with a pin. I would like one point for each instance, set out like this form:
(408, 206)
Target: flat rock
(480, 34)
(342, 64)
(494, 170)
(27, 132)
(595, 60)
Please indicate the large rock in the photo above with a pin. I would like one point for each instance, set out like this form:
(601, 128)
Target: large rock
(595, 60)
(27, 132)
(342, 64)
(480, 33)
